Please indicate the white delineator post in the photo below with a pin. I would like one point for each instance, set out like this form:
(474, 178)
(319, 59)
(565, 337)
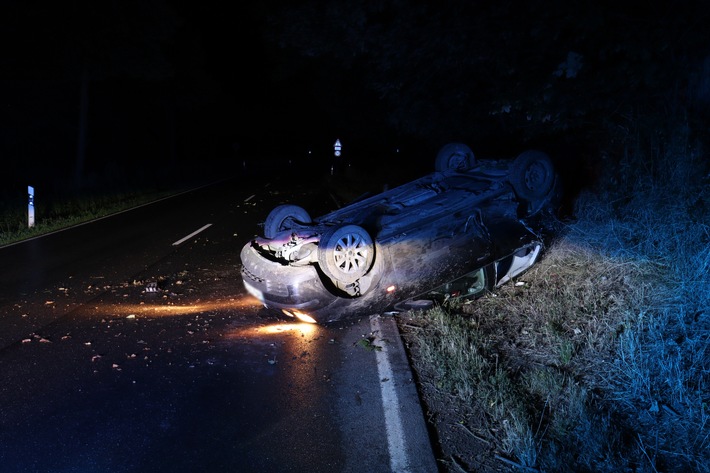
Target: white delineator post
(31, 207)
(337, 147)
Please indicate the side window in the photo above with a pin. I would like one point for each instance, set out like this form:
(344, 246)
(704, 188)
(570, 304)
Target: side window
(468, 286)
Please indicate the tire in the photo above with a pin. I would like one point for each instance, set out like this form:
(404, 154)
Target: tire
(282, 218)
(532, 175)
(454, 157)
(346, 253)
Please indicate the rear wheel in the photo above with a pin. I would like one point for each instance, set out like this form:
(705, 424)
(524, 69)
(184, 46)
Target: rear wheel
(532, 175)
(346, 253)
(454, 157)
(284, 217)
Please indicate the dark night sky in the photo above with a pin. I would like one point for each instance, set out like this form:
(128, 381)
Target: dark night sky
(170, 83)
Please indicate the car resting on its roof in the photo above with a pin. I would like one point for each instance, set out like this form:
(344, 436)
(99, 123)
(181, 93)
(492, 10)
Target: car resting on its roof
(466, 228)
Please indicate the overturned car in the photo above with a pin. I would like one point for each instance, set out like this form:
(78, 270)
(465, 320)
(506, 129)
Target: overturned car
(466, 228)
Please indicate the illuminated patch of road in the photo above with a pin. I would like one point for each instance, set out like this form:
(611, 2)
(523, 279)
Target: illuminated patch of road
(170, 309)
(302, 328)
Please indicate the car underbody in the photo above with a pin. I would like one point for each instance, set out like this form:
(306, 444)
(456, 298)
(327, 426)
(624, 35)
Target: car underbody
(455, 233)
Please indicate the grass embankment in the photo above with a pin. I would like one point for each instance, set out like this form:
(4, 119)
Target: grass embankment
(599, 361)
(58, 213)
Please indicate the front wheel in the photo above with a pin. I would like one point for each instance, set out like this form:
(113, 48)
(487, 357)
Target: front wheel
(346, 253)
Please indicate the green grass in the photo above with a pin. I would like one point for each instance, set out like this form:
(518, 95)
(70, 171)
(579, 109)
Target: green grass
(60, 213)
(600, 360)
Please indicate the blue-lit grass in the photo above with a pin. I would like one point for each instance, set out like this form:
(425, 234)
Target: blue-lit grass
(66, 212)
(600, 360)
(660, 378)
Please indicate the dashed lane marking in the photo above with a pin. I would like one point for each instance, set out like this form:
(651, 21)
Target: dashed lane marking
(192, 234)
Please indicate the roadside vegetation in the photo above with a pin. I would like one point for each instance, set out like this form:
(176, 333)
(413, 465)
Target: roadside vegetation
(63, 212)
(596, 359)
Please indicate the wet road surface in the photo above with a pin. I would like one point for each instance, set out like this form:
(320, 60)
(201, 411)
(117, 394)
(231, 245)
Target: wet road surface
(126, 353)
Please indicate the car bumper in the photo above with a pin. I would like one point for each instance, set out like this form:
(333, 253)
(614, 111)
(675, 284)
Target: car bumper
(280, 286)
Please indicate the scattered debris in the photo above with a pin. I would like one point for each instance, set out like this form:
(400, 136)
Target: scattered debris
(368, 345)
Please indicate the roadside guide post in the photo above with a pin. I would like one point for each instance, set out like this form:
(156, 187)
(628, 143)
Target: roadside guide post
(31, 207)
(337, 147)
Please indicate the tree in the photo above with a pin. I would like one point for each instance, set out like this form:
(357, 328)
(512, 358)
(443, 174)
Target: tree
(83, 42)
(478, 70)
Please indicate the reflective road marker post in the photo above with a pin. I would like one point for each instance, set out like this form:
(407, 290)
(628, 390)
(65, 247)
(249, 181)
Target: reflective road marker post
(31, 207)
(337, 147)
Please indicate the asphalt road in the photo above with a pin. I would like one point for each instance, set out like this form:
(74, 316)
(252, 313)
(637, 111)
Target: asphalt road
(129, 345)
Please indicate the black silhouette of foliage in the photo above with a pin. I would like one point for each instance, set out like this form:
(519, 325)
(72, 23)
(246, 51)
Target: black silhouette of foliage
(475, 69)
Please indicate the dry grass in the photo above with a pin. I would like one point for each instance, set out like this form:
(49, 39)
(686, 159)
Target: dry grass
(599, 361)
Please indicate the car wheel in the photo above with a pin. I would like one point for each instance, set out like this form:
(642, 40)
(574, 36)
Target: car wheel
(454, 157)
(346, 253)
(532, 175)
(283, 217)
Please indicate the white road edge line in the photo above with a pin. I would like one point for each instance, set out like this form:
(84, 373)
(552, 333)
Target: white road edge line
(192, 234)
(390, 403)
(105, 216)
(249, 198)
